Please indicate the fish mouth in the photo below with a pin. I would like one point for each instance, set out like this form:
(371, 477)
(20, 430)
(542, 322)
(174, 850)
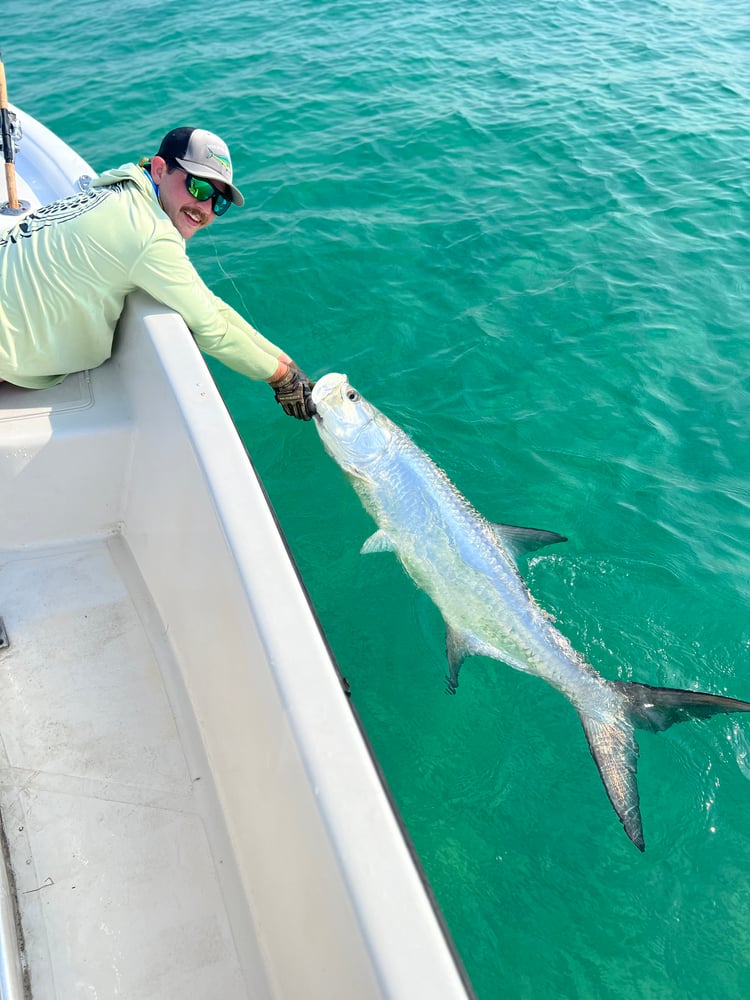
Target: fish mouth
(337, 388)
(326, 385)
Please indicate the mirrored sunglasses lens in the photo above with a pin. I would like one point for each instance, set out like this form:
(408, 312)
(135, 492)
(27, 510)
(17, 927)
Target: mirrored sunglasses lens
(199, 189)
(221, 204)
(203, 190)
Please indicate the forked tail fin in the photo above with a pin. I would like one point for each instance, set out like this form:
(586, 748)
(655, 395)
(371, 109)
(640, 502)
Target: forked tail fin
(615, 750)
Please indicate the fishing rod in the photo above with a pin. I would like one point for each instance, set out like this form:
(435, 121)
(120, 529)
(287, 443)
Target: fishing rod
(13, 206)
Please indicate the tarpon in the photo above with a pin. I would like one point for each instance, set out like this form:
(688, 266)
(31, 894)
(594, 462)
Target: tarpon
(467, 565)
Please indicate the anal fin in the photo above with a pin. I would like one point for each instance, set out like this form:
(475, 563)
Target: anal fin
(459, 644)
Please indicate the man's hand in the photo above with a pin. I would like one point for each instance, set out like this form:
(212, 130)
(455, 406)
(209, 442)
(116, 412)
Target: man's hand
(294, 391)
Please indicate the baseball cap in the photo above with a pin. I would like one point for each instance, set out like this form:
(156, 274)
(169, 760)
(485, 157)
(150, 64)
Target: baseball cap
(201, 154)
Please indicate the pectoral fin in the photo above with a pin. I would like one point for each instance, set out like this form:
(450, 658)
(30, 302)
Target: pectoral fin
(379, 542)
(520, 541)
(615, 752)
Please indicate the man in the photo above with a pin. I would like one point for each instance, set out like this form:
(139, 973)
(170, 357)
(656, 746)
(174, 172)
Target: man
(65, 271)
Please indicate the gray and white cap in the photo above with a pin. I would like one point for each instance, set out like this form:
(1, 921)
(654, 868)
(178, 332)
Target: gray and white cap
(201, 154)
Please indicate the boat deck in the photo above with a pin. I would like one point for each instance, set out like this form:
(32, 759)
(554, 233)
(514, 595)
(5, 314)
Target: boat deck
(104, 809)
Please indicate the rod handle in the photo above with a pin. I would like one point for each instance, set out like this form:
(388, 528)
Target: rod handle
(10, 172)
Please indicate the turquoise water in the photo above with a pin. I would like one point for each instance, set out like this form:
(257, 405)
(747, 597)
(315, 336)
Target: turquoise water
(522, 230)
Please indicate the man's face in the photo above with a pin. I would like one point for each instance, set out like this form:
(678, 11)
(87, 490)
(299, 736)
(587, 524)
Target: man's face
(186, 213)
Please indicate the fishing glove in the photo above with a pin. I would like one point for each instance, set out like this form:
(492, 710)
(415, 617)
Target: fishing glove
(294, 392)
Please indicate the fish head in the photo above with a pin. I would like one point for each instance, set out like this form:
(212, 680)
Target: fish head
(353, 432)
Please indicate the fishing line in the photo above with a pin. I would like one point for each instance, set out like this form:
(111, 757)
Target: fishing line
(246, 309)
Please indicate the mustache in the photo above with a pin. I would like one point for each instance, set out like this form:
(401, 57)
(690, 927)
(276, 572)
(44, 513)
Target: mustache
(197, 213)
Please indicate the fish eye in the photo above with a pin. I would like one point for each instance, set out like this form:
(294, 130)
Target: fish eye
(353, 395)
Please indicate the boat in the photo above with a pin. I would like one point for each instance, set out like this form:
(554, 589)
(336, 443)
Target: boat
(190, 806)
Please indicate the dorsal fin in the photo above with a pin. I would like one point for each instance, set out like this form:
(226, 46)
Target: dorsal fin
(520, 541)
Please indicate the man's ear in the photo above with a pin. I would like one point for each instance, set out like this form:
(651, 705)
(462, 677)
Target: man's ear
(158, 168)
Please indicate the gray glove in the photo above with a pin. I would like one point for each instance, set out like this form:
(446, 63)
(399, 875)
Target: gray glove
(294, 392)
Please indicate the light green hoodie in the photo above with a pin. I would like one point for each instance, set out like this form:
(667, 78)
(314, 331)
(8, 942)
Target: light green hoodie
(65, 271)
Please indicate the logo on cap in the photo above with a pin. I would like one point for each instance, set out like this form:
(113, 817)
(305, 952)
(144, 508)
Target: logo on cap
(223, 159)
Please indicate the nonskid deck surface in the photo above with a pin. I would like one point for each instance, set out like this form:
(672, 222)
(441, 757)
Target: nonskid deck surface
(100, 791)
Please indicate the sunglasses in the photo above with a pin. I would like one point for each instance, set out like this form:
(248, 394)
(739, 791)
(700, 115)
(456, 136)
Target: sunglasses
(202, 190)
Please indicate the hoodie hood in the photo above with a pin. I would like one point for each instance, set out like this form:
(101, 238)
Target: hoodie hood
(128, 172)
